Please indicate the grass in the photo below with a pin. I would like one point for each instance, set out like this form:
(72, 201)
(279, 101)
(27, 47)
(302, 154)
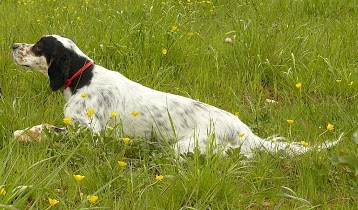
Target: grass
(275, 45)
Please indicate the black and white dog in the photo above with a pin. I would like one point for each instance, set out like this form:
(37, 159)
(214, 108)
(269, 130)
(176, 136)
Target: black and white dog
(97, 97)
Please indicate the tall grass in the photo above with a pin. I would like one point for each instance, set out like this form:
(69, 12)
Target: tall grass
(275, 45)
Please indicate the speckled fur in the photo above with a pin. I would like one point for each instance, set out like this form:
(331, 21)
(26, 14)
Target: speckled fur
(193, 121)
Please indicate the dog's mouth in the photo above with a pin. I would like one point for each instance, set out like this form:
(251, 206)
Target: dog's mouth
(14, 55)
(22, 65)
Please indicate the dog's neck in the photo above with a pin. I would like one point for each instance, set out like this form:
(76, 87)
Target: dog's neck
(79, 73)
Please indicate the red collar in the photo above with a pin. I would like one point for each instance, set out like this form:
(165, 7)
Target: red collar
(78, 73)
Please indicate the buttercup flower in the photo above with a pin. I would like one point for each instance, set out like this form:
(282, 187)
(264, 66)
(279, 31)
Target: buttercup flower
(78, 177)
(92, 198)
(330, 127)
(174, 29)
(114, 114)
(299, 85)
(84, 95)
(236, 114)
(67, 120)
(305, 144)
(338, 80)
(159, 177)
(126, 140)
(241, 135)
(122, 163)
(90, 112)
(2, 191)
(53, 201)
(164, 51)
(351, 83)
(135, 114)
(290, 121)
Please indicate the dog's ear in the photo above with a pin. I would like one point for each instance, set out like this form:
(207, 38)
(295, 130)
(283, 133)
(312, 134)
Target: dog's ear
(59, 70)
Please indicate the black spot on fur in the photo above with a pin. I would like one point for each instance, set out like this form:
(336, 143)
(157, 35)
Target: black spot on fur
(143, 114)
(89, 96)
(176, 103)
(185, 124)
(160, 123)
(188, 112)
(100, 116)
(199, 104)
(158, 115)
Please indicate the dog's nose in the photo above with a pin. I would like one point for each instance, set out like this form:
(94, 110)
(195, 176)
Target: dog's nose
(15, 46)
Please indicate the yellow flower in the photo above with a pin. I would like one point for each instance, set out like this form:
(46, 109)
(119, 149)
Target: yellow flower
(135, 114)
(92, 198)
(237, 114)
(164, 51)
(159, 177)
(2, 191)
(114, 114)
(90, 112)
(290, 121)
(338, 80)
(122, 163)
(53, 201)
(305, 144)
(110, 128)
(67, 120)
(174, 29)
(241, 135)
(299, 85)
(350, 83)
(84, 95)
(126, 140)
(78, 177)
(330, 127)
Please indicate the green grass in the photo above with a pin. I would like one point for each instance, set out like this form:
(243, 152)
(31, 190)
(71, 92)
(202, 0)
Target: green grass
(276, 44)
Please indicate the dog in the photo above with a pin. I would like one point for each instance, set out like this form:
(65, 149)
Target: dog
(97, 98)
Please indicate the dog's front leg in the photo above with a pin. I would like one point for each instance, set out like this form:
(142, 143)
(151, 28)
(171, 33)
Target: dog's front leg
(36, 133)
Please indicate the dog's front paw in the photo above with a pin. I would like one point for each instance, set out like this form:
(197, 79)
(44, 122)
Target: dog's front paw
(30, 134)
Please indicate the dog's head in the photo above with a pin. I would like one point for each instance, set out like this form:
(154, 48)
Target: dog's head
(54, 55)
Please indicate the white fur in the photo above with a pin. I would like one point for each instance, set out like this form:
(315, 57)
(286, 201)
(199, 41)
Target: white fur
(23, 56)
(188, 123)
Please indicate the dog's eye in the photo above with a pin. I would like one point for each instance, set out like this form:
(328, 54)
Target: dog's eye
(36, 48)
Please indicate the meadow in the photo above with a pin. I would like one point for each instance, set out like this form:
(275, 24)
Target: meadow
(267, 61)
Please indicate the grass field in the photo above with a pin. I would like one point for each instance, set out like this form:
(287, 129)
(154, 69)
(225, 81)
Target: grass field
(275, 44)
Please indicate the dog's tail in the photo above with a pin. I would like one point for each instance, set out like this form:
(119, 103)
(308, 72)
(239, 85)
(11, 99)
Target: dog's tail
(276, 144)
